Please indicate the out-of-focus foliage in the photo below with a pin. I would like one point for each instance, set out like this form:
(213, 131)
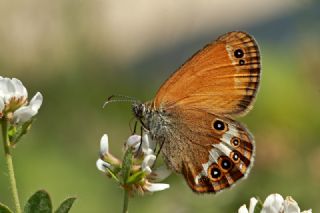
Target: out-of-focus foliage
(75, 74)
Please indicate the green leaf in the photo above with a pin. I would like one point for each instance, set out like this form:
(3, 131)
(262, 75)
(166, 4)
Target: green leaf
(12, 131)
(113, 175)
(136, 177)
(4, 209)
(66, 205)
(16, 132)
(127, 163)
(258, 207)
(39, 202)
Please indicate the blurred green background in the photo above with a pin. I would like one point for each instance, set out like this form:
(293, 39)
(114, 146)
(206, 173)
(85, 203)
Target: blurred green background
(77, 53)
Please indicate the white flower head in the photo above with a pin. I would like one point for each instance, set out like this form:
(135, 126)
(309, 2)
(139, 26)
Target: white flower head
(14, 101)
(274, 203)
(142, 173)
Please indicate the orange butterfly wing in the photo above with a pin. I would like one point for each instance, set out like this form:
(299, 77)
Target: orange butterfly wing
(221, 78)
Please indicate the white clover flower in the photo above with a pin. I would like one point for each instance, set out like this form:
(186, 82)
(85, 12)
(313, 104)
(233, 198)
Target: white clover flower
(14, 101)
(274, 203)
(142, 175)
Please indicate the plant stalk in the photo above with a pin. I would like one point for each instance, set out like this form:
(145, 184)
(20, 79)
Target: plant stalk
(8, 157)
(125, 201)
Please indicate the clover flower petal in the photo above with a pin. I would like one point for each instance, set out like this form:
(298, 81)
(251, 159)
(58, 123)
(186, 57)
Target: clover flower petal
(159, 174)
(155, 187)
(141, 144)
(25, 113)
(253, 203)
(105, 155)
(148, 145)
(147, 163)
(104, 145)
(272, 204)
(2, 106)
(12, 90)
(20, 90)
(8, 89)
(102, 165)
(243, 209)
(134, 142)
(290, 205)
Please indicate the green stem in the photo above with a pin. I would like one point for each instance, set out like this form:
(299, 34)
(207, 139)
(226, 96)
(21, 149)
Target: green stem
(125, 201)
(126, 168)
(8, 157)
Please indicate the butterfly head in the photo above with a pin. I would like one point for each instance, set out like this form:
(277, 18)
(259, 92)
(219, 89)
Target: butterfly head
(139, 110)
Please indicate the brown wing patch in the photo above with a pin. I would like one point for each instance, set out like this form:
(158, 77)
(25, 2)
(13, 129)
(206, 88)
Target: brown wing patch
(211, 160)
(244, 53)
(216, 79)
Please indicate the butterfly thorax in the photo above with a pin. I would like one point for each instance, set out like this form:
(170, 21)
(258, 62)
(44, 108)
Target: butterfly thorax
(154, 120)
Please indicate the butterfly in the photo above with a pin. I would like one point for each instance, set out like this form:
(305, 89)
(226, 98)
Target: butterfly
(192, 114)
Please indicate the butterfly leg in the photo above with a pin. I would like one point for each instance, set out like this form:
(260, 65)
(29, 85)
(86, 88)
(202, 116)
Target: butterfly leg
(134, 130)
(161, 145)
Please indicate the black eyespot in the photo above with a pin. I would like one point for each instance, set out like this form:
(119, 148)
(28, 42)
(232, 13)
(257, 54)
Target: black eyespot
(215, 173)
(218, 125)
(226, 164)
(235, 156)
(238, 53)
(235, 142)
(241, 62)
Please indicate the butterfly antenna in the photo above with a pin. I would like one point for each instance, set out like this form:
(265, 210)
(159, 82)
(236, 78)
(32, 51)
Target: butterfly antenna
(119, 98)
